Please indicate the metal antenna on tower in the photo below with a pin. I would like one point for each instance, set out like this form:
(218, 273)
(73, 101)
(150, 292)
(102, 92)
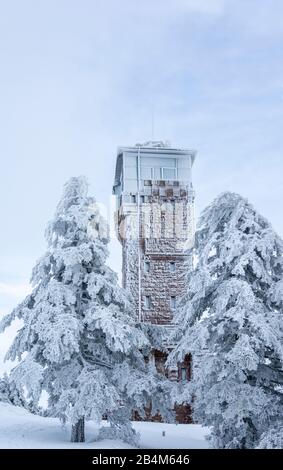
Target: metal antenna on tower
(152, 122)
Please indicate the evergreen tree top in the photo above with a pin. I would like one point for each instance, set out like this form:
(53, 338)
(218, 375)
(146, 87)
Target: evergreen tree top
(233, 238)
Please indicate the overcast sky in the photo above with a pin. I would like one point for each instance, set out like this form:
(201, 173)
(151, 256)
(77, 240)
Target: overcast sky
(80, 77)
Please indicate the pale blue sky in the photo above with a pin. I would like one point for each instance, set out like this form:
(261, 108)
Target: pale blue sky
(78, 78)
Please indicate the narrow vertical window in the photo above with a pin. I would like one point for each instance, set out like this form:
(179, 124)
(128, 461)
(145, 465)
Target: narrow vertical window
(184, 370)
(173, 302)
(184, 374)
(133, 198)
(147, 302)
(147, 266)
(172, 266)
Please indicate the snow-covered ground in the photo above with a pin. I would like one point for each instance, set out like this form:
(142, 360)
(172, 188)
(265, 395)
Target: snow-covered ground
(22, 430)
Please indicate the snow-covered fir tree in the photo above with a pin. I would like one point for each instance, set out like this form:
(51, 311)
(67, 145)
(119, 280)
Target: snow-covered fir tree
(10, 393)
(272, 439)
(231, 319)
(79, 340)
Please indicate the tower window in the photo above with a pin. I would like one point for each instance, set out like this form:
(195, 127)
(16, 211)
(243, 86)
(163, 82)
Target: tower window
(168, 173)
(147, 173)
(147, 302)
(147, 266)
(133, 198)
(173, 302)
(172, 266)
(184, 369)
(184, 374)
(142, 199)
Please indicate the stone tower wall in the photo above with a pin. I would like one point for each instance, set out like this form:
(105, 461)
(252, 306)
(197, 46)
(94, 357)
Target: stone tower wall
(155, 221)
(165, 226)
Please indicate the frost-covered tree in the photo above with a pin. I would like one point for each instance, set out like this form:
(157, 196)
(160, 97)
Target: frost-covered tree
(10, 393)
(272, 439)
(231, 319)
(79, 339)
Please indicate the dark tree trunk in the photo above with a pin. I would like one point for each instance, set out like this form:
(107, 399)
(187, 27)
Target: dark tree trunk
(78, 431)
